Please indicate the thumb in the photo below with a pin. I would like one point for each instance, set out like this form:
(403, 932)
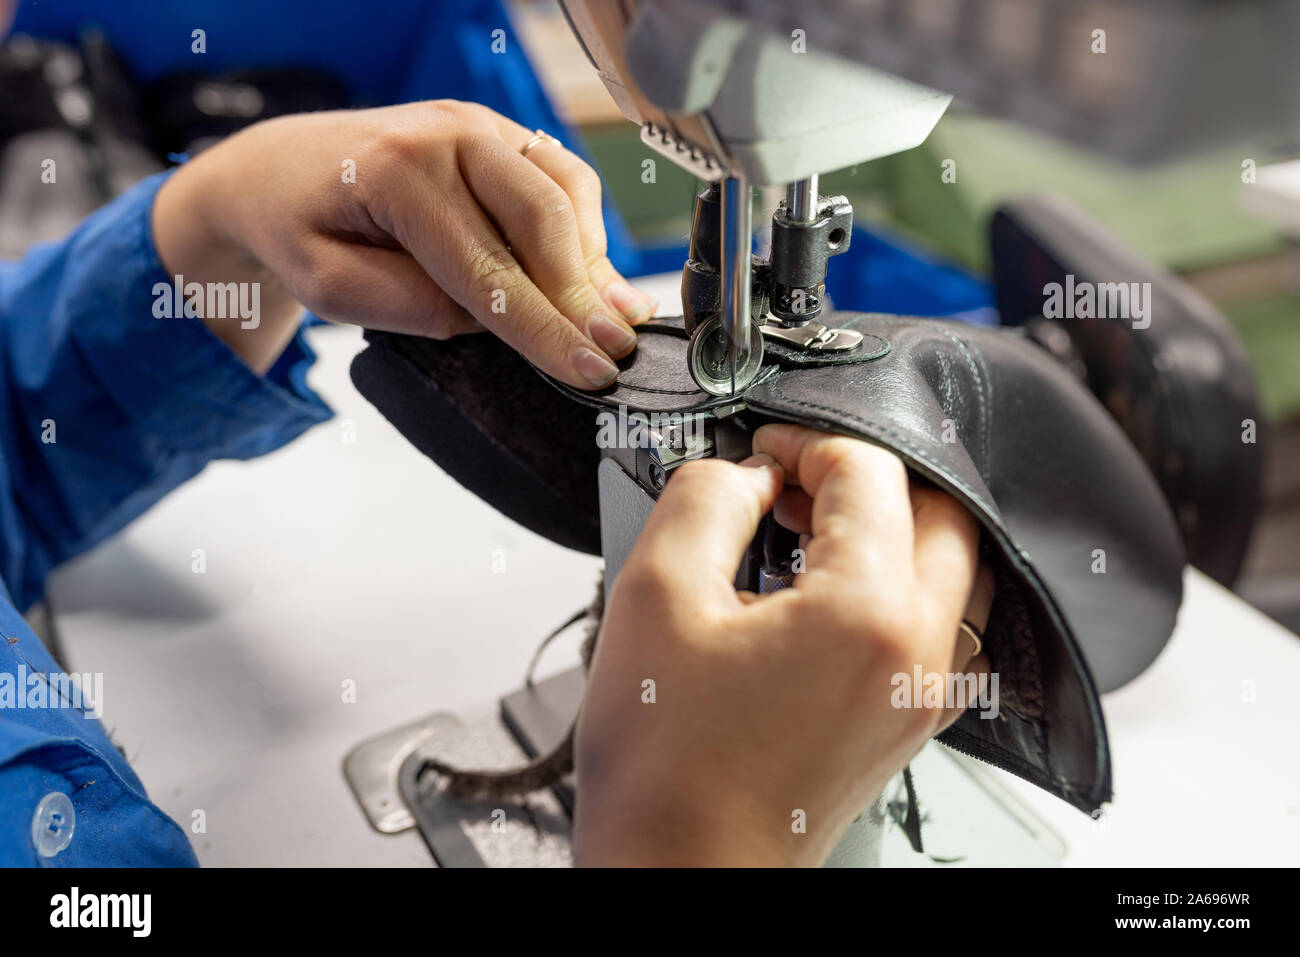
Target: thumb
(704, 520)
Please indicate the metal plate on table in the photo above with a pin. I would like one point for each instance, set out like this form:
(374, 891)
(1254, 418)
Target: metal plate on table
(371, 769)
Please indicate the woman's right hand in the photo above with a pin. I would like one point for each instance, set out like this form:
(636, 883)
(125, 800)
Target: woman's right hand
(715, 721)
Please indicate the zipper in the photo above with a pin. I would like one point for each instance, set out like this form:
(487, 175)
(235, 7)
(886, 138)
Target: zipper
(986, 755)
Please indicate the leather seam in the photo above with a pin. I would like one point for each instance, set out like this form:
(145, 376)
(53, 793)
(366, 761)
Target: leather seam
(775, 387)
(946, 380)
(979, 394)
(651, 389)
(981, 381)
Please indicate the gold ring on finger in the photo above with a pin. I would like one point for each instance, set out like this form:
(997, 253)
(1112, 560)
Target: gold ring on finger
(537, 139)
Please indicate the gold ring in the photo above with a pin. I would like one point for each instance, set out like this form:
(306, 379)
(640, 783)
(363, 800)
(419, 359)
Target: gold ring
(538, 138)
(974, 634)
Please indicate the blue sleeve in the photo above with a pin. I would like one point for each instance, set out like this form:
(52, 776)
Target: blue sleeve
(104, 407)
(68, 798)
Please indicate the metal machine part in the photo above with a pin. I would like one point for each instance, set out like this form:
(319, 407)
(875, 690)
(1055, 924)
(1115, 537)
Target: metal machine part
(686, 155)
(632, 476)
(533, 831)
(806, 232)
(744, 347)
(732, 300)
(814, 337)
(727, 96)
(748, 83)
(717, 367)
(660, 442)
(371, 769)
(801, 200)
(701, 276)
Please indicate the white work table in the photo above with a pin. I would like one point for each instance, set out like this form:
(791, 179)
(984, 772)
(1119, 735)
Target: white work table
(333, 560)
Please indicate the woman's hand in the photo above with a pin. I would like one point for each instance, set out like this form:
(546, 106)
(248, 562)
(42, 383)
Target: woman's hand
(423, 218)
(767, 706)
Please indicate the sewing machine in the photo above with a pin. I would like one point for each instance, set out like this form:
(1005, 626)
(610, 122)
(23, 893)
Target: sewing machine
(743, 94)
(726, 99)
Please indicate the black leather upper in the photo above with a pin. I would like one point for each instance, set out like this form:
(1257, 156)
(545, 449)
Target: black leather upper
(1086, 553)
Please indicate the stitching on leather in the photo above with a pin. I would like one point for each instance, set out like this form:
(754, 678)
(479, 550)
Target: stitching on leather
(775, 387)
(708, 398)
(979, 394)
(646, 388)
(987, 381)
(981, 380)
(945, 380)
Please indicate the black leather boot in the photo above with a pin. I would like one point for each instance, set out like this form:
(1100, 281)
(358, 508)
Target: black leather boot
(1086, 552)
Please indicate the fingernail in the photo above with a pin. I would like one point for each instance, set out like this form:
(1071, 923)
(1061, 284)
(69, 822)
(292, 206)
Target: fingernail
(610, 334)
(594, 367)
(635, 305)
(761, 460)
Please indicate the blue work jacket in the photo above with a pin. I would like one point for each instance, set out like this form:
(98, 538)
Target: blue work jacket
(104, 408)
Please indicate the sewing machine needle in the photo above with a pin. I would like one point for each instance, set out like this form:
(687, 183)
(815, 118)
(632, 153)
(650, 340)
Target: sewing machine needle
(737, 244)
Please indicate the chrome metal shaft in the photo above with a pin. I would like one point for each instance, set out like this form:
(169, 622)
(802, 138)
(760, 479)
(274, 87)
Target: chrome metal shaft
(737, 245)
(801, 199)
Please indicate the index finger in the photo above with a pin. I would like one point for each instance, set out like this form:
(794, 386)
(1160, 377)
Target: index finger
(473, 264)
(861, 512)
(537, 218)
(582, 185)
